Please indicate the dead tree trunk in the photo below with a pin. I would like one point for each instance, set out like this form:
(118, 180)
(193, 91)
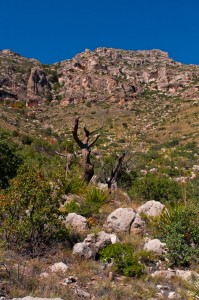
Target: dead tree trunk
(85, 147)
(114, 172)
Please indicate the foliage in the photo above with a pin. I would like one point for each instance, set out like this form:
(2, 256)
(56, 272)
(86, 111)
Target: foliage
(124, 261)
(26, 140)
(157, 188)
(94, 199)
(74, 183)
(29, 215)
(193, 288)
(10, 161)
(180, 224)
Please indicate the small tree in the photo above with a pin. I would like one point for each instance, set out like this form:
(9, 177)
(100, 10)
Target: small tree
(10, 161)
(30, 219)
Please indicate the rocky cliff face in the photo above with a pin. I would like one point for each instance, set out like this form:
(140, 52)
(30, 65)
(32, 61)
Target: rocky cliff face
(102, 75)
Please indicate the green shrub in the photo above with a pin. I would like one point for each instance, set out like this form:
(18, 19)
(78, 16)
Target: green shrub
(10, 161)
(74, 183)
(30, 219)
(94, 200)
(157, 188)
(71, 207)
(178, 227)
(26, 140)
(124, 261)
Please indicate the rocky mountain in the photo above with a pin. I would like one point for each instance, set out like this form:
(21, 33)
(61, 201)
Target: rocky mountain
(96, 76)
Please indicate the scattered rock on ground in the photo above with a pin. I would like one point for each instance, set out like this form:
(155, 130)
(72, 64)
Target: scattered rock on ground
(151, 208)
(76, 221)
(167, 274)
(82, 294)
(186, 274)
(93, 243)
(156, 246)
(138, 225)
(59, 267)
(121, 219)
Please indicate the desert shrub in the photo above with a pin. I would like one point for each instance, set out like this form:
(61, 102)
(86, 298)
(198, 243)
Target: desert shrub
(178, 227)
(10, 161)
(42, 146)
(193, 189)
(126, 179)
(71, 207)
(74, 183)
(30, 219)
(94, 199)
(26, 140)
(123, 259)
(157, 188)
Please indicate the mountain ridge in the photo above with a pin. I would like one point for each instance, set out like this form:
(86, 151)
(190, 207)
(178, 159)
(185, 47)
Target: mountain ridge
(105, 74)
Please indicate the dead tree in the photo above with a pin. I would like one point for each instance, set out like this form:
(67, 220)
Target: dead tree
(85, 147)
(114, 172)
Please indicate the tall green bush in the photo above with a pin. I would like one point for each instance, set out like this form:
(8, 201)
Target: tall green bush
(157, 188)
(123, 259)
(10, 161)
(178, 227)
(30, 220)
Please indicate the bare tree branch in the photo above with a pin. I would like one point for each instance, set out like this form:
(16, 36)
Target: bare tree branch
(114, 172)
(95, 140)
(75, 134)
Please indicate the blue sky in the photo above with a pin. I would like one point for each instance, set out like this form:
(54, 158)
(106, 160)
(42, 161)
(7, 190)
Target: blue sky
(54, 30)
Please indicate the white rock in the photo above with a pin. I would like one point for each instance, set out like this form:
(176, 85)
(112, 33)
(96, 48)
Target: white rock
(196, 168)
(167, 274)
(59, 267)
(172, 295)
(151, 208)
(93, 243)
(76, 221)
(114, 238)
(156, 246)
(121, 219)
(82, 294)
(138, 225)
(83, 250)
(186, 275)
(44, 275)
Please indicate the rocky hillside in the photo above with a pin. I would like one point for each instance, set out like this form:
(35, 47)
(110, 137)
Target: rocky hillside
(102, 75)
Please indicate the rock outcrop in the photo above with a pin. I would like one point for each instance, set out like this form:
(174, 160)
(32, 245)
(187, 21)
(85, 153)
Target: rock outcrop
(102, 75)
(93, 243)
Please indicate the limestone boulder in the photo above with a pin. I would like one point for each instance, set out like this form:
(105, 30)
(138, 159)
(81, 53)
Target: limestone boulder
(155, 246)
(59, 267)
(83, 250)
(138, 226)
(77, 222)
(121, 219)
(151, 208)
(93, 243)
